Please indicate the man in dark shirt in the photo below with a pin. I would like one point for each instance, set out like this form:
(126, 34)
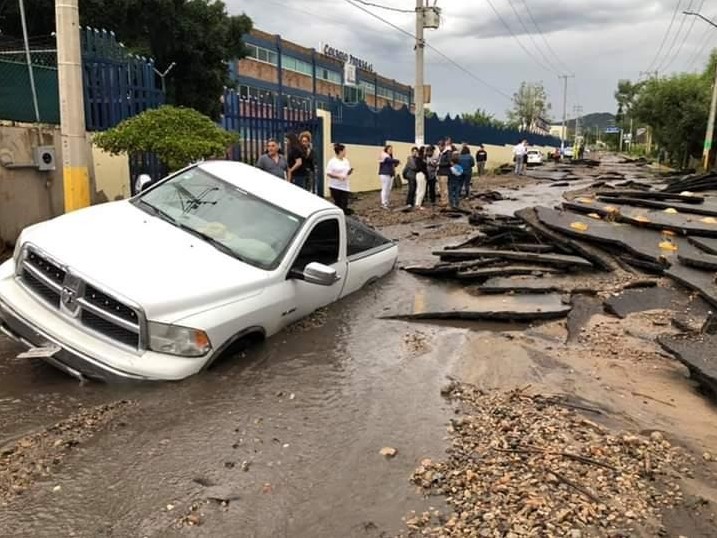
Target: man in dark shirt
(481, 159)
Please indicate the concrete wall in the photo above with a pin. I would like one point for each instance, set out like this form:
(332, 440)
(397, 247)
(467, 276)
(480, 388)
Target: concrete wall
(28, 196)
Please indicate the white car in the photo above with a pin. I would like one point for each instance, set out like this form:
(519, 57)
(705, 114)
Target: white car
(535, 157)
(159, 286)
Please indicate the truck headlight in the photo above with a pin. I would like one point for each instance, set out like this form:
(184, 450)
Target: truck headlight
(181, 341)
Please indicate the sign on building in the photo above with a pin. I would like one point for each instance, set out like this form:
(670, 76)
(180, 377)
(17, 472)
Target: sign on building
(350, 78)
(345, 57)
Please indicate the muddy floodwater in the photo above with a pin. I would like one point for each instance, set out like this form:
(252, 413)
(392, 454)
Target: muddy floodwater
(284, 439)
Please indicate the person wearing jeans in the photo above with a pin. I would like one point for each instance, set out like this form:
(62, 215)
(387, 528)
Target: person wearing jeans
(455, 181)
(519, 153)
(421, 177)
(444, 170)
(467, 162)
(432, 175)
(386, 172)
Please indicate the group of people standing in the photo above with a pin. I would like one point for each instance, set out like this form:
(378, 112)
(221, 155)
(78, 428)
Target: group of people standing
(441, 172)
(299, 164)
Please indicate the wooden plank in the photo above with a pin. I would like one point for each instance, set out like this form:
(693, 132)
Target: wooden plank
(560, 260)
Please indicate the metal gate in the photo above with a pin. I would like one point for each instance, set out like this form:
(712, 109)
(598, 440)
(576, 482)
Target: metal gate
(258, 121)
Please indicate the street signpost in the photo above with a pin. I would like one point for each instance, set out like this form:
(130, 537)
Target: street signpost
(612, 130)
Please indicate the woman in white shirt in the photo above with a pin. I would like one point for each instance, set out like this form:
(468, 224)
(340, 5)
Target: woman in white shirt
(338, 171)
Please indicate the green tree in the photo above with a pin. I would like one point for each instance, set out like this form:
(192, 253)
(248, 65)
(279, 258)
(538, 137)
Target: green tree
(625, 95)
(199, 36)
(481, 117)
(177, 135)
(676, 109)
(530, 103)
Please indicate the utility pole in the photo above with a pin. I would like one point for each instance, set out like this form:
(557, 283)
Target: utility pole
(709, 134)
(564, 130)
(420, 49)
(427, 17)
(75, 176)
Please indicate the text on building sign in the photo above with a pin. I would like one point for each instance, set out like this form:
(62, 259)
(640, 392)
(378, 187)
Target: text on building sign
(345, 57)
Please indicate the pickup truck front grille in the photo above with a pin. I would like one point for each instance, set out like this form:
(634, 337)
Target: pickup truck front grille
(79, 300)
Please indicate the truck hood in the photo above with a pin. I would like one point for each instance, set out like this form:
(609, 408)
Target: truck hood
(125, 251)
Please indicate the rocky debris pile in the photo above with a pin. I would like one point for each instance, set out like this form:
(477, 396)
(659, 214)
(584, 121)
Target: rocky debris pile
(35, 456)
(521, 464)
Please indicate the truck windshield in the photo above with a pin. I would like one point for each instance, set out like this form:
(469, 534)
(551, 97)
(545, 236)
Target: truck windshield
(232, 220)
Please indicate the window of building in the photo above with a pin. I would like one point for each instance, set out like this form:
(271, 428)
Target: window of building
(296, 65)
(369, 88)
(353, 94)
(261, 54)
(402, 98)
(386, 93)
(328, 75)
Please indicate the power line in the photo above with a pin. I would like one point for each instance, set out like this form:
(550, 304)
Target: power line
(387, 8)
(510, 30)
(706, 41)
(434, 49)
(532, 39)
(684, 40)
(662, 64)
(559, 62)
(664, 38)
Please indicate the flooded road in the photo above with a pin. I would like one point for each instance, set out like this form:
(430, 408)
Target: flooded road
(284, 439)
(293, 429)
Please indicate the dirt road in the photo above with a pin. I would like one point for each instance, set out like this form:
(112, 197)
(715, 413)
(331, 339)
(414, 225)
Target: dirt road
(285, 439)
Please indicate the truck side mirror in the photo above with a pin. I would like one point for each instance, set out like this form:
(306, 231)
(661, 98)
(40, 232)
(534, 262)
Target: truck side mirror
(143, 181)
(320, 274)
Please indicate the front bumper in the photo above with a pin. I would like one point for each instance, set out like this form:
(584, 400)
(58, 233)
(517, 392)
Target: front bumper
(70, 361)
(31, 323)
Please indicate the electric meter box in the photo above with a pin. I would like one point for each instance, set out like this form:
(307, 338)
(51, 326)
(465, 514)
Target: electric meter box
(45, 158)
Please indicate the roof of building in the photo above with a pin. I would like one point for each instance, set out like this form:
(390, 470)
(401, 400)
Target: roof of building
(271, 188)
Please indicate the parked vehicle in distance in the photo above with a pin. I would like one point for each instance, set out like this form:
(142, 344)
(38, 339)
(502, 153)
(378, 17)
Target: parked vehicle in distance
(567, 152)
(159, 286)
(535, 157)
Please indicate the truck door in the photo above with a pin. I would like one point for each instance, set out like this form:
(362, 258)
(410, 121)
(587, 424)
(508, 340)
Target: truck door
(322, 245)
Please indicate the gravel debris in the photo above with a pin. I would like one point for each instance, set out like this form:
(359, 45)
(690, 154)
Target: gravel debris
(35, 456)
(520, 465)
(417, 343)
(315, 320)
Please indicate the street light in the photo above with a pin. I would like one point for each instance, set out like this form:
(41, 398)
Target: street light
(709, 134)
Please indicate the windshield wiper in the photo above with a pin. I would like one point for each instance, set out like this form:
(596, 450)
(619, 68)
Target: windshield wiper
(157, 212)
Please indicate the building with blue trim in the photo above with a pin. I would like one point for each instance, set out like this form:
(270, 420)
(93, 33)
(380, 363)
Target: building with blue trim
(277, 71)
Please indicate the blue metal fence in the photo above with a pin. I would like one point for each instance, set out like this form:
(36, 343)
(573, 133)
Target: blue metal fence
(257, 121)
(359, 124)
(117, 84)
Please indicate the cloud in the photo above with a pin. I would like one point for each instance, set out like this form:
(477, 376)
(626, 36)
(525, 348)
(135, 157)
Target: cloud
(600, 41)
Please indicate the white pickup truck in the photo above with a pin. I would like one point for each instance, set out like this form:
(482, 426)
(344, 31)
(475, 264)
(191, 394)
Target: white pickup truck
(159, 286)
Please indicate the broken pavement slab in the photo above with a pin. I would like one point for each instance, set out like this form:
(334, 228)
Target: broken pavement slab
(441, 303)
(707, 210)
(520, 285)
(703, 282)
(558, 260)
(643, 299)
(697, 353)
(652, 195)
(681, 223)
(707, 244)
(504, 271)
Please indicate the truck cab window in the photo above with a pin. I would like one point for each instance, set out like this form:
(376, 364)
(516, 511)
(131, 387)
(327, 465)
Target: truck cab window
(321, 246)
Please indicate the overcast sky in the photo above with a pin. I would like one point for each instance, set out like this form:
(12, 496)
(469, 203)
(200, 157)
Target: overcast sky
(599, 41)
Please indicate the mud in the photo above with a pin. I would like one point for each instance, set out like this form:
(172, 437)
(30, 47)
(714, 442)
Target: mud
(284, 439)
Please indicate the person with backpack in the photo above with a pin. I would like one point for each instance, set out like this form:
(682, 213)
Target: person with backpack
(409, 174)
(386, 173)
(432, 169)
